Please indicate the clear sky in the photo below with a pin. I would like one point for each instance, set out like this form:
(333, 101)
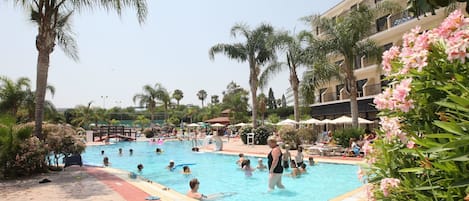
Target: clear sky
(118, 56)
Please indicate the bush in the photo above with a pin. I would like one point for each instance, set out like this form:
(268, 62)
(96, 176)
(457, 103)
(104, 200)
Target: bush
(243, 133)
(342, 137)
(289, 137)
(261, 134)
(62, 141)
(149, 132)
(20, 153)
(308, 134)
(421, 152)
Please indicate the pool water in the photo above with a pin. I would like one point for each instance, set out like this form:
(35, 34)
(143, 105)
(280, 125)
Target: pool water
(218, 173)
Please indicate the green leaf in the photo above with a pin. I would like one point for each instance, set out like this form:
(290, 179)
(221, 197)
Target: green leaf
(461, 158)
(460, 184)
(425, 188)
(452, 106)
(450, 127)
(463, 102)
(417, 170)
(457, 143)
(441, 135)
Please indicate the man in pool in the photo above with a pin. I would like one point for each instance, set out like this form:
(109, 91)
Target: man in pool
(192, 193)
(170, 166)
(274, 164)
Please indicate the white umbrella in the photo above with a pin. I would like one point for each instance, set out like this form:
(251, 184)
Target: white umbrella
(364, 121)
(342, 120)
(193, 125)
(240, 124)
(286, 122)
(310, 121)
(325, 121)
(217, 125)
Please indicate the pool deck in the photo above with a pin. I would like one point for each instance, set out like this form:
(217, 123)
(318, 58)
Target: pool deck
(94, 183)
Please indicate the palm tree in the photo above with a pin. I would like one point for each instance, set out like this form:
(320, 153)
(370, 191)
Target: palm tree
(178, 95)
(52, 18)
(214, 99)
(163, 96)
(148, 99)
(12, 94)
(347, 37)
(202, 95)
(301, 51)
(83, 115)
(262, 106)
(257, 50)
(29, 103)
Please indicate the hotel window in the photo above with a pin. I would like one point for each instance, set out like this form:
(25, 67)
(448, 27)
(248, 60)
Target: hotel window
(382, 23)
(337, 90)
(360, 84)
(358, 62)
(387, 46)
(321, 91)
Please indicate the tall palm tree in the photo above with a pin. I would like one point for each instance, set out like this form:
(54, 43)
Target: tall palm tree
(162, 95)
(178, 95)
(301, 51)
(262, 106)
(52, 18)
(84, 115)
(12, 94)
(214, 99)
(148, 99)
(29, 103)
(257, 50)
(202, 95)
(347, 36)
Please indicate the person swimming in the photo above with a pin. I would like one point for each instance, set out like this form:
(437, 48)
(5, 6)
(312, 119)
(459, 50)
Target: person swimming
(246, 166)
(186, 170)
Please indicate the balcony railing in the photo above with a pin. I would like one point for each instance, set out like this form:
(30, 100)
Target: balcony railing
(399, 18)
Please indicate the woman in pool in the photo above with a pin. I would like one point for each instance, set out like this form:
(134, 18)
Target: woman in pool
(193, 192)
(274, 164)
(286, 158)
(295, 172)
(246, 166)
(240, 159)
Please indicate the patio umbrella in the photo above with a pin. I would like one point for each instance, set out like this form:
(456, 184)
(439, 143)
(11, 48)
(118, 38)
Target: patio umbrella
(217, 125)
(325, 121)
(310, 121)
(240, 124)
(342, 120)
(193, 125)
(364, 121)
(287, 122)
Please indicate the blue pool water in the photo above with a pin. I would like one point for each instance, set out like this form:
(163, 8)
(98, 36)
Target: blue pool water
(219, 173)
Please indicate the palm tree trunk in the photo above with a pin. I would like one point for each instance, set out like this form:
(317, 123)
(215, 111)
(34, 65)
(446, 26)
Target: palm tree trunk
(352, 83)
(294, 82)
(253, 82)
(43, 60)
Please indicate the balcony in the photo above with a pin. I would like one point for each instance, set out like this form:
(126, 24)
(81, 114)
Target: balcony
(399, 18)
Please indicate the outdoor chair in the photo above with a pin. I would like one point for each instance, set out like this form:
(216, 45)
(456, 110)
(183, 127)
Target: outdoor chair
(73, 160)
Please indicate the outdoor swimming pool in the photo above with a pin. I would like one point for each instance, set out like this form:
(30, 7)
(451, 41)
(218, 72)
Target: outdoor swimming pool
(218, 173)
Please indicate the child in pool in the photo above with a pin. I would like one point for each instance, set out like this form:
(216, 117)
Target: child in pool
(246, 166)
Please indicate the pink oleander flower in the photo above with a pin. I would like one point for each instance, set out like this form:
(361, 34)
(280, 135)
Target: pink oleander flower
(369, 192)
(390, 126)
(387, 184)
(457, 46)
(410, 144)
(454, 21)
(360, 174)
(367, 148)
(388, 56)
(402, 90)
(384, 101)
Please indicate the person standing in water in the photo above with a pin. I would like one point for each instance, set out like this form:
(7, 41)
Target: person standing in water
(274, 164)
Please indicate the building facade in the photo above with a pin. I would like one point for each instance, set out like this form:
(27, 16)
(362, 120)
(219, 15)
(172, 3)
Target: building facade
(332, 100)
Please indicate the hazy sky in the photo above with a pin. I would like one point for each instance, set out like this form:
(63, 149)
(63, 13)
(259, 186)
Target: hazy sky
(118, 56)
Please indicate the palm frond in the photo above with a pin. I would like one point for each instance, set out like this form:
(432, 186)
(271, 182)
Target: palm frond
(236, 51)
(269, 72)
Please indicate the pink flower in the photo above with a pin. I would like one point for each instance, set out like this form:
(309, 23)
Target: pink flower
(387, 184)
(451, 23)
(388, 56)
(369, 192)
(410, 144)
(360, 174)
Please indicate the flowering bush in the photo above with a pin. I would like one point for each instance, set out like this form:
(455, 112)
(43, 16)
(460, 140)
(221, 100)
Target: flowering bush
(62, 140)
(422, 150)
(261, 134)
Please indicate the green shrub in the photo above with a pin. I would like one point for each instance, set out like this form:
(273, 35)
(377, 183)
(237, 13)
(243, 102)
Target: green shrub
(243, 133)
(62, 140)
(261, 134)
(342, 137)
(308, 134)
(289, 137)
(422, 148)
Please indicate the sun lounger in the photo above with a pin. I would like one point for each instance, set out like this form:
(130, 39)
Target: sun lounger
(73, 160)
